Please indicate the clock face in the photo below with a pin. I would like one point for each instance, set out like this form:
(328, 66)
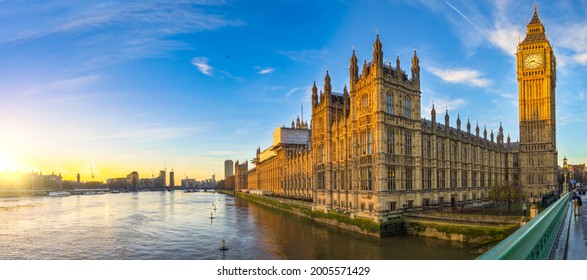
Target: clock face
(533, 61)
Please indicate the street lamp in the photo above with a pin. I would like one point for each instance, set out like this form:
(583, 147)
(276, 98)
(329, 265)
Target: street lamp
(565, 187)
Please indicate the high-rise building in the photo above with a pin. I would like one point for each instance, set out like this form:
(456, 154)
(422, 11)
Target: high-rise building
(536, 65)
(161, 180)
(228, 168)
(172, 179)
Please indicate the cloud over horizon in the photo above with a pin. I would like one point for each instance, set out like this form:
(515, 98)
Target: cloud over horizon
(460, 76)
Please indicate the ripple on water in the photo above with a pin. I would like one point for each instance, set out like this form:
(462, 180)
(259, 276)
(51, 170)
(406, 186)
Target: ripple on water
(135, 219)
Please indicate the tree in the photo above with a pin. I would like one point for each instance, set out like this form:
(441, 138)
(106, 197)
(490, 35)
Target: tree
(509, 192)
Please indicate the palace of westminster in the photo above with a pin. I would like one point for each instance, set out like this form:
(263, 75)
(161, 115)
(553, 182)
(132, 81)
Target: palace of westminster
(368, 151)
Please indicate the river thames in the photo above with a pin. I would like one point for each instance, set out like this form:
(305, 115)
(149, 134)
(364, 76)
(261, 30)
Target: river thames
(177, 226)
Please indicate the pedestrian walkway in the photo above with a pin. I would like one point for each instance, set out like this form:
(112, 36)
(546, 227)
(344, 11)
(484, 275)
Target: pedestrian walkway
(575, 229)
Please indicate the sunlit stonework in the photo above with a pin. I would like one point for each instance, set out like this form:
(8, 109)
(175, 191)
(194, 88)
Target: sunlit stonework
(536, 93)
(370, 153)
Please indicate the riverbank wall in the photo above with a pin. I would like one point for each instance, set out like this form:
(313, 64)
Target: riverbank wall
(478, 229)
(471, 228)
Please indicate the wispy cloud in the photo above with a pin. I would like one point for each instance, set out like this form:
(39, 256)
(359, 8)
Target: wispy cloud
(573, 39)
(291, 91)
(246, 127)
(467, 19)
(62, 86)
(581, 96)
(266, 70)
(461, 76)
(441, 104)
(151, 133)
(304, 55)
(202, 64)
(107, 32)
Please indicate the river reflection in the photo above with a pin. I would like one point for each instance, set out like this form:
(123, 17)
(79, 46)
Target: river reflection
(177, 225)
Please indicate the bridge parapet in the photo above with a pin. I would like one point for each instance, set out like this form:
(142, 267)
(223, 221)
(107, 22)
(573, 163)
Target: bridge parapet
(534, 240)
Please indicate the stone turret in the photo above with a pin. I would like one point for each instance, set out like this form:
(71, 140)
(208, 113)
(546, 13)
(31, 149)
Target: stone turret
(314, 95)
(468, 126)
(433, 117)
(354, 70)
(416, 68)
(377, 52)
(485, 132)
(446, 123)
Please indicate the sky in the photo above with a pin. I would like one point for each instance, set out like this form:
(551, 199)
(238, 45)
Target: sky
(112, 87)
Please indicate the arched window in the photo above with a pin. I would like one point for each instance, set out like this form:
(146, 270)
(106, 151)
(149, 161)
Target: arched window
(389, 103)
(407, 108)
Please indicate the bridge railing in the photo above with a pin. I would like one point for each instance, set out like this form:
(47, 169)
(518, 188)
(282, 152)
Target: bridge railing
(534, 240)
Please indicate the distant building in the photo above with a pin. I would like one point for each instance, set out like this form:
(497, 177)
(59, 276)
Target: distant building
(229, 183)
(118, 183)
(133, 180)
(228, 168)
(147, 183)
(172, 179)
(285, 167)
(161, 180)
(189, 183)
(252, 179)
(241, 175)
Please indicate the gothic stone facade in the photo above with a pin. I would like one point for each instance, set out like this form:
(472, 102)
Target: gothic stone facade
(536, 92)
(371, 154)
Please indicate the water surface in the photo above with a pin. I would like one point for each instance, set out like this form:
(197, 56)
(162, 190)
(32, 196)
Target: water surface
(177, 225)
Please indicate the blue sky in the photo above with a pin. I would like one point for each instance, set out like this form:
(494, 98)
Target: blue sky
(135, 85)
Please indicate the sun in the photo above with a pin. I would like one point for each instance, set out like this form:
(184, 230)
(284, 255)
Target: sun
(7, 164)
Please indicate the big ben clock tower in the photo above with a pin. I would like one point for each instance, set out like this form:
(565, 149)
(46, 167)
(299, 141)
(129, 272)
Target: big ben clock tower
(536, 69)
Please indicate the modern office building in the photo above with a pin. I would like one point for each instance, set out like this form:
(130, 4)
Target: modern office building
(228, 168)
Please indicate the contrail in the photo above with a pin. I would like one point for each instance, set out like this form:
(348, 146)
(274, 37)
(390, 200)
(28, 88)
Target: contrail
(467, 19)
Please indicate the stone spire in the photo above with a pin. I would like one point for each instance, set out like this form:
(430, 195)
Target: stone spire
(354, 70)
(314, 94)
(345, 101)
(459, 122)
(485, 132)
(377, 52)
(468, 126)
(327, 89)
(415, 67)
(433, 116)
(535, 30)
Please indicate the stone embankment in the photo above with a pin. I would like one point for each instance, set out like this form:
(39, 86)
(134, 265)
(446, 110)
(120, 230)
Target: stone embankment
(479, 229)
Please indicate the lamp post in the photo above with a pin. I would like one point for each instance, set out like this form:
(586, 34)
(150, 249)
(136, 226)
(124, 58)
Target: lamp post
(524, 209)
(565, 187)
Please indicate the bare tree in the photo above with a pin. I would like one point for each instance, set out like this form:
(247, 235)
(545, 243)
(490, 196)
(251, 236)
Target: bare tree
(509, 192)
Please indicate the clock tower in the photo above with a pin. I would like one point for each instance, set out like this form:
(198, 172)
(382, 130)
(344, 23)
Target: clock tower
(536, 70)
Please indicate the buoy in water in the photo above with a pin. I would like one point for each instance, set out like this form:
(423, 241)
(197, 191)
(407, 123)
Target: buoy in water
(223, 248)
